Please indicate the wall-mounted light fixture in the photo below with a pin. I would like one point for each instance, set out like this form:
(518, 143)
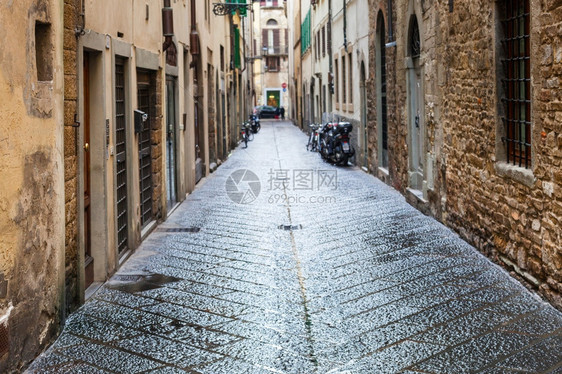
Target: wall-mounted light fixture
(224, 9)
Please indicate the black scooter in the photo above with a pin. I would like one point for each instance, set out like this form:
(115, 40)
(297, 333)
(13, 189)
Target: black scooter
(335, 145)
(255, 122)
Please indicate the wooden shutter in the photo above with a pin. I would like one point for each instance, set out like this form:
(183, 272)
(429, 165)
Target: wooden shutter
(323, 40)
(275, 38)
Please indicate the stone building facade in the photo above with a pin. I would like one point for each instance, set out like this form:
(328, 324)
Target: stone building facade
(32, 217)
(271, 70)
(126, 172)
(334, 62)
(107, 124)
(350, 48)
(473, 124)
(381, 92)
(72, 10)
(295, 68)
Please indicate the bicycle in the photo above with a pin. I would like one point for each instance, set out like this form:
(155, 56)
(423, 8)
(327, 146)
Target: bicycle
(312, 144)
(249, 130)
(244, 134)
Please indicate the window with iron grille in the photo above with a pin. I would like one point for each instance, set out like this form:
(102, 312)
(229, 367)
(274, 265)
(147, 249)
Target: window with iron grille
(337, 80)
(516, 82)
(350, 67)
(121, 155)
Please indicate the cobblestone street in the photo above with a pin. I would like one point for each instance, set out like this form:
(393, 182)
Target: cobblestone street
(328, 271)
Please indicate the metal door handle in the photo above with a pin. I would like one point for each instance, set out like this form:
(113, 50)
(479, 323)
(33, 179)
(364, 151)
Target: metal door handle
(87, 147)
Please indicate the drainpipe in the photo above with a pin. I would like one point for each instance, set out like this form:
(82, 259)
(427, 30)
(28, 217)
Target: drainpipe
(391, 41)
(167, 25)
(345, 25)
(79, 30)
(389, 12)
(194, 36)
(330, 55)
(243, 57)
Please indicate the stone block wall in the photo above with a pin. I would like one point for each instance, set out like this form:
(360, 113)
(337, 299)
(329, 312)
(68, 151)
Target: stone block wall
(71, 12)
(510, 218)
(158, 146)
(511, 214)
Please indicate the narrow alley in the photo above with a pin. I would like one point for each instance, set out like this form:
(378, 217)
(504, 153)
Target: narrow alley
(281, 263)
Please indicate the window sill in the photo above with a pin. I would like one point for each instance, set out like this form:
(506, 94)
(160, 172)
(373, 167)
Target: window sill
(518, 174)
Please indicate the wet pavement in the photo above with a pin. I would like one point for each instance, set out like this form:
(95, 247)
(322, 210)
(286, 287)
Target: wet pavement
(297, 266)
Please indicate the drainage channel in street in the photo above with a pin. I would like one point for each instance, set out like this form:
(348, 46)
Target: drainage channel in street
(291, 227)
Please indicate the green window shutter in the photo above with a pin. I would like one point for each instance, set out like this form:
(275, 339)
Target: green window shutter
(242, 10)
(237, 48)
(305, 33)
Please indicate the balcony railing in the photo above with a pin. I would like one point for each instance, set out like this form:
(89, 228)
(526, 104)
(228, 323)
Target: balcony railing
(276, 51)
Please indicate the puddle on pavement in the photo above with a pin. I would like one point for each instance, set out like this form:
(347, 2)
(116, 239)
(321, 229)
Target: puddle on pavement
(141, 282)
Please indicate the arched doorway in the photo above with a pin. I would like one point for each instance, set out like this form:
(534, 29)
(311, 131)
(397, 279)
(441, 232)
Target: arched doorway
(382, 111)
(416, 128)
(363, 89)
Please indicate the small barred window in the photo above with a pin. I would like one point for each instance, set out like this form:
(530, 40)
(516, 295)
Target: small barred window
(516, 63)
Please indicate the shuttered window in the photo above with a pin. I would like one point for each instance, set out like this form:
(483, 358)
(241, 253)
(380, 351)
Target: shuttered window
(323, 41)
(305, 33)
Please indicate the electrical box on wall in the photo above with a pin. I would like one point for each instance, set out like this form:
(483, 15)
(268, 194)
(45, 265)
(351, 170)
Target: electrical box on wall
(184, 122)
(140, 118)
(5, 333)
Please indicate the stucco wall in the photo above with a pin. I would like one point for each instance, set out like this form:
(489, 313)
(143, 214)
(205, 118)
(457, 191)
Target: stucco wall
(31, 180)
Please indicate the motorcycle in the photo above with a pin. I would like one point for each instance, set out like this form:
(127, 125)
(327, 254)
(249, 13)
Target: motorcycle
(335, 145)
(255, 122)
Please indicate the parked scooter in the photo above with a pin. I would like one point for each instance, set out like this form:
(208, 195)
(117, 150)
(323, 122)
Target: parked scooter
(255, 122)
(335, 145)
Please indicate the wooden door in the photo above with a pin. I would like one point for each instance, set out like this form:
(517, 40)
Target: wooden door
(88, 259)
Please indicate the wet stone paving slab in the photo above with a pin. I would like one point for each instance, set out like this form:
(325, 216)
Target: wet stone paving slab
(282, 263)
